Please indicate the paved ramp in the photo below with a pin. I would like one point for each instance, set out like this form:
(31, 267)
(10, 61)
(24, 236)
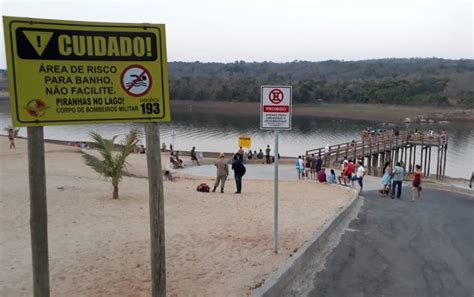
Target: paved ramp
(399, 248)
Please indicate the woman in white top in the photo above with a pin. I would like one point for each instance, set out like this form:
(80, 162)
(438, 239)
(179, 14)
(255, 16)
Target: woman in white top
(359, 176)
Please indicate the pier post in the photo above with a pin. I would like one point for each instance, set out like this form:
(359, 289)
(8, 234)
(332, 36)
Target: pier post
(414, 158)
(411, 151)
(437, 163)
(445, 153)
(429, 161)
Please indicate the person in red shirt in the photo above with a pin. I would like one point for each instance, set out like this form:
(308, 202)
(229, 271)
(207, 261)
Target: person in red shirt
(349, 171)
(321, 175)
(416, 184)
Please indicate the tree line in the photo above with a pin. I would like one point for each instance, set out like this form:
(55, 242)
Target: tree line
(388, 81)
(415, 81)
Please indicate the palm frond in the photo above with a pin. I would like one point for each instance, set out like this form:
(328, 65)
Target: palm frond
(98, 165)
(113, 163)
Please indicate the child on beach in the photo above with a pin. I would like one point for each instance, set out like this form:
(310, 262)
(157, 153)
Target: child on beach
(11, 138)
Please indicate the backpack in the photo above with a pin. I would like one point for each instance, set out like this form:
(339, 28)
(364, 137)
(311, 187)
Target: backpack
(242, 169)
(203, 188)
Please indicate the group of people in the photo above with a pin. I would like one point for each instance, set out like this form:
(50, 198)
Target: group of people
(311, 167)
(308, 166)
(347, 173)
(392, 181)
(256, 156)
(222, 172)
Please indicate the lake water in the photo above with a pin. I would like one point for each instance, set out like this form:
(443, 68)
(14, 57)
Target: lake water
(216, 132)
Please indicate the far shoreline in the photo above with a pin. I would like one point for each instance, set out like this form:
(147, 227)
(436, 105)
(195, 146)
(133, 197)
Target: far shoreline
(396, 114)
(366, 112)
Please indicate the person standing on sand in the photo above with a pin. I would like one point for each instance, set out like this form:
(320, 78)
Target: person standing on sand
(397, 181)
(267, 154)
(194, 156)
(239, 171)
(472, 178)
(11, 138)
(299, 167)
(416, 184)
(241, 153)
(222, 172)
(319, 163)
(313, 167)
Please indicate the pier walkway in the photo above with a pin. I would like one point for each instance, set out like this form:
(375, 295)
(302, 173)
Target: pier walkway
(377, 148)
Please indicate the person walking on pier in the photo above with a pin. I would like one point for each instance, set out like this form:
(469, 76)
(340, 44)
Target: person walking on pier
(397, 174)
(222, 172)
(416, 184)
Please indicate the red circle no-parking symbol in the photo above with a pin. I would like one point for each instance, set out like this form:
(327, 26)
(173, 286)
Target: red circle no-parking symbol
(136, 80)
(275, 96)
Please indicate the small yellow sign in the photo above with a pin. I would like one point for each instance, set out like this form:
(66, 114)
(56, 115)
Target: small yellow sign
(245, 141)
(67, 72)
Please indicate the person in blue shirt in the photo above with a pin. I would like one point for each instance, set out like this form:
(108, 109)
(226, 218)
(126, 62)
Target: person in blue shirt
(331, 177)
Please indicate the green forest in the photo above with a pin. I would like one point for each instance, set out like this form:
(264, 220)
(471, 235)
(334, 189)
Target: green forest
(389, 81)
(414, 81)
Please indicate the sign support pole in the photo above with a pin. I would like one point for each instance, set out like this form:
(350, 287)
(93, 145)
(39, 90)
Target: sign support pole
(275, 208)
(38, 212)
(157, 214)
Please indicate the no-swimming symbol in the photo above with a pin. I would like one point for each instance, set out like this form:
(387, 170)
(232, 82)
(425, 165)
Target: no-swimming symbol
(136, 80)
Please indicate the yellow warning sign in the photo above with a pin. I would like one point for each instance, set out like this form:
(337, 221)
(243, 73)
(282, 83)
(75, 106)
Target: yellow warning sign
(65, 72)
(245, 141)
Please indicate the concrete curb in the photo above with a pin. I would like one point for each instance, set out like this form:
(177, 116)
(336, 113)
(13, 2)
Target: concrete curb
(277, 282)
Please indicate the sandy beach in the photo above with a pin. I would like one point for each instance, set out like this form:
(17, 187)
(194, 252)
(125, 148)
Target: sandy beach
(216, 244)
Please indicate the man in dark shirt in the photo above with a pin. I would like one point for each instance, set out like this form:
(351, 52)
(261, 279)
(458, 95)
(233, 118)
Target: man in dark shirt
(239, 171)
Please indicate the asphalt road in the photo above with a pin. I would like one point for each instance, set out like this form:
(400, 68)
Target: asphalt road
(399, 248)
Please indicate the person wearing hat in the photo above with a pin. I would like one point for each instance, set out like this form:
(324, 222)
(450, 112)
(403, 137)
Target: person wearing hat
(222, 172)
(343, 174)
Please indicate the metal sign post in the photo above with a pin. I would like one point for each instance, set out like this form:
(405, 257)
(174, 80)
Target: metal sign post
(275, 114)
(275, 209)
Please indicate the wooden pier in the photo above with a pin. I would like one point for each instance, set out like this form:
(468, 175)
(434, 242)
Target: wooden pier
(375, 150)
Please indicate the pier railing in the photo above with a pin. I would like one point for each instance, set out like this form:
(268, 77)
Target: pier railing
(375, 149)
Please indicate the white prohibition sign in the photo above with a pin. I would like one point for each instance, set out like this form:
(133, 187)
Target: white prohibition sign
(136, 80)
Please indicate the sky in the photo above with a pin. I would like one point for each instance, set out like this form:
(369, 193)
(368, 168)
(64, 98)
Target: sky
(280, 30)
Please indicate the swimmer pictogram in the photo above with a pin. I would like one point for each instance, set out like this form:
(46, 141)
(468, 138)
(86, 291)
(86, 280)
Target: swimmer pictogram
(136, 80)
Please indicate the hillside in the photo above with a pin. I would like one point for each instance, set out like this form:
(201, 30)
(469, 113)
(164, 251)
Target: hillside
(413, 81)
(389, 81)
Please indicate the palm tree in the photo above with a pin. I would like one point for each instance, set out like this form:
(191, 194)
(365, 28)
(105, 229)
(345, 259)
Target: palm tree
(15, 130)
(113, 163)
